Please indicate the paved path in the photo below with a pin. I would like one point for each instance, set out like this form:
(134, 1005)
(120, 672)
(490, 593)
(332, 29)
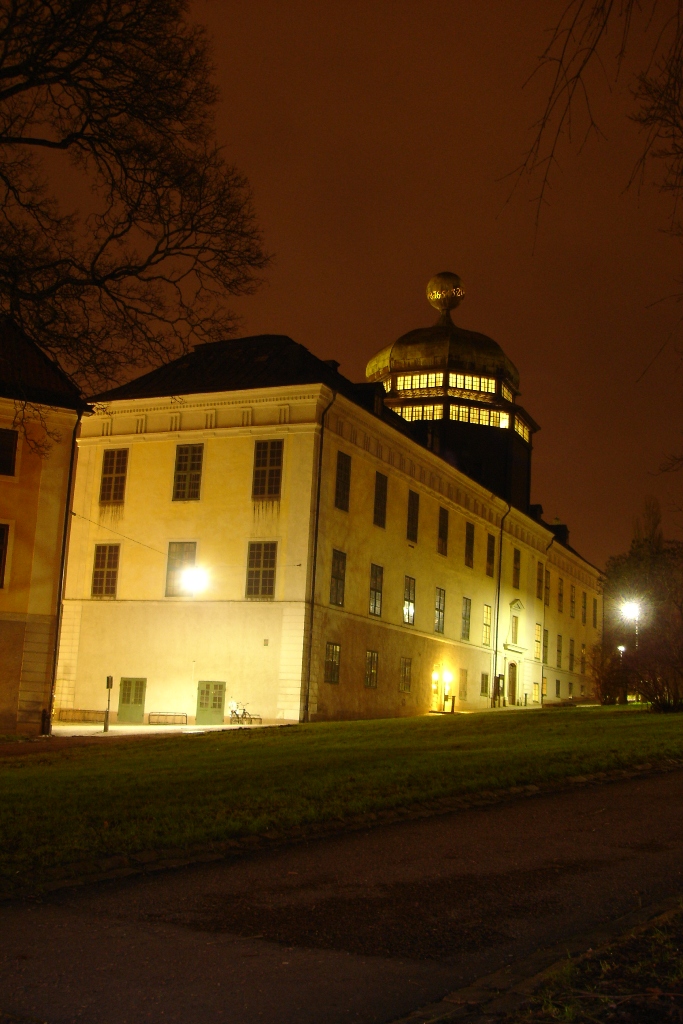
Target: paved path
(359, 928)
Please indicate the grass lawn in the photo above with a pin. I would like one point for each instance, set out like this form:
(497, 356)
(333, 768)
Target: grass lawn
(82, 804)
(638, 980)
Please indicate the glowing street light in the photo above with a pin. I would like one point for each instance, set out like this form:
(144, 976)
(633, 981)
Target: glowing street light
(630, 610)
(194, 580)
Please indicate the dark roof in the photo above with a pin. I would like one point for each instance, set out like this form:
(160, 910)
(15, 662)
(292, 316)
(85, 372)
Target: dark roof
(28, 375)
(262, 361)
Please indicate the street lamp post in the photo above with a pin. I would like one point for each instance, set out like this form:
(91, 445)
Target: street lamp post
(630, 611)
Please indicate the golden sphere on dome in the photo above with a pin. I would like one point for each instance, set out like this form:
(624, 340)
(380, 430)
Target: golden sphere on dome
(445, 291)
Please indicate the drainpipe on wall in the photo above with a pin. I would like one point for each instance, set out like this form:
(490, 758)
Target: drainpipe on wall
(315, 557)
(545, 569)
(500, 565)
(47, 725)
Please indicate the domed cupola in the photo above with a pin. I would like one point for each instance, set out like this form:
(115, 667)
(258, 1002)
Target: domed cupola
(459, 390)
(444, 346)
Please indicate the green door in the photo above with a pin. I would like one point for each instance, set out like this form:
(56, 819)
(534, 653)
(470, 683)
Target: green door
(210, 702)
(132, 701)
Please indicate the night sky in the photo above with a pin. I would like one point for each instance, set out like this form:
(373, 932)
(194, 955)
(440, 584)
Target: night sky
(378, 139)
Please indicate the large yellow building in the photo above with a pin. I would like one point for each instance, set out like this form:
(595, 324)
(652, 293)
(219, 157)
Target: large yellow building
(34, 487)
(251, 526)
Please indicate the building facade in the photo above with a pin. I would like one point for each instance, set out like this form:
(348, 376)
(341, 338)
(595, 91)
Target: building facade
(38, 403)
(250, 526)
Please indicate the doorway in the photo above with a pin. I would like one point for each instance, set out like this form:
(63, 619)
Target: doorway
(512, 684)
(210, 702)
(132, 701)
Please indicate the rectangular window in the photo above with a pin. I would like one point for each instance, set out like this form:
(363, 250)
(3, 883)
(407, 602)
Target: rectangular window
(406, 673)
(113, 483)
(537, 641)
(380, 512)
(571, 655)
(583, 659)
(181, 556)
(570, 688)
(371, 661)
(544, 686)
(8, 452)
(486, 631)
(595, 613)
(559, 651)
(558, 688)
(462, 684)
(332, 659)
(267, 469)
(545, 646)
(413, 515)
(439, 610)
(560, 595)
(572, 601)
(261, 569)
(4, 543)
(490, 554)
(516, 567)
(469, 544)
(342, 486)
(442, 543)
(546, 593)
(484, 691)
(105, 570)
(376, 585)
(188, 472)
(466, 616)
(338, 577)
(409, 601)
(539, 580)
(536, 691)
(514, 630)
(583, 607)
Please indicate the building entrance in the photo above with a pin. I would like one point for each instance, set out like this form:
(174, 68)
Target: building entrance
(512, 684)
(210, 702)
(132, 701)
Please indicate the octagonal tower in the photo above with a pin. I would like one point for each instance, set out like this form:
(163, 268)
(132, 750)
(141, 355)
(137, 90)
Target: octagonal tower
(459, 391)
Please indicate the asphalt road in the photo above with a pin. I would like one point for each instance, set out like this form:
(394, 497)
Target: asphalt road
(363, 927)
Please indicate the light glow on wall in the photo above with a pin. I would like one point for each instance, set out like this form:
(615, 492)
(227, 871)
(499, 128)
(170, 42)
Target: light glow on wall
(194, 579)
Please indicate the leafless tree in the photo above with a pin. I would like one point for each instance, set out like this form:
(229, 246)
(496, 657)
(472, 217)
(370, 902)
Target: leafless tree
(591, 36)
(122, 91)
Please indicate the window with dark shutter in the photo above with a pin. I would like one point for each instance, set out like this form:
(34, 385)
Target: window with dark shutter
(380, 512)
(332, 661)
(516, 567)
(406, 673)
(113, 483)
(595, 613)
(469, 544)
(181, 556)
(560, 595)
(545, 646)
(261, 569)
(559, 651)
(338, 578)
(490, 554)
(539, 580)
(466, 618)
(8, 452)
(376, 585)
(188, 472)
(546, 592)
(371, 663)
(4, 543)
(571, 655)
(105, 570)
(439, 610)
(267, 480)
(413, 515)
(442, 543)
(342, 487)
